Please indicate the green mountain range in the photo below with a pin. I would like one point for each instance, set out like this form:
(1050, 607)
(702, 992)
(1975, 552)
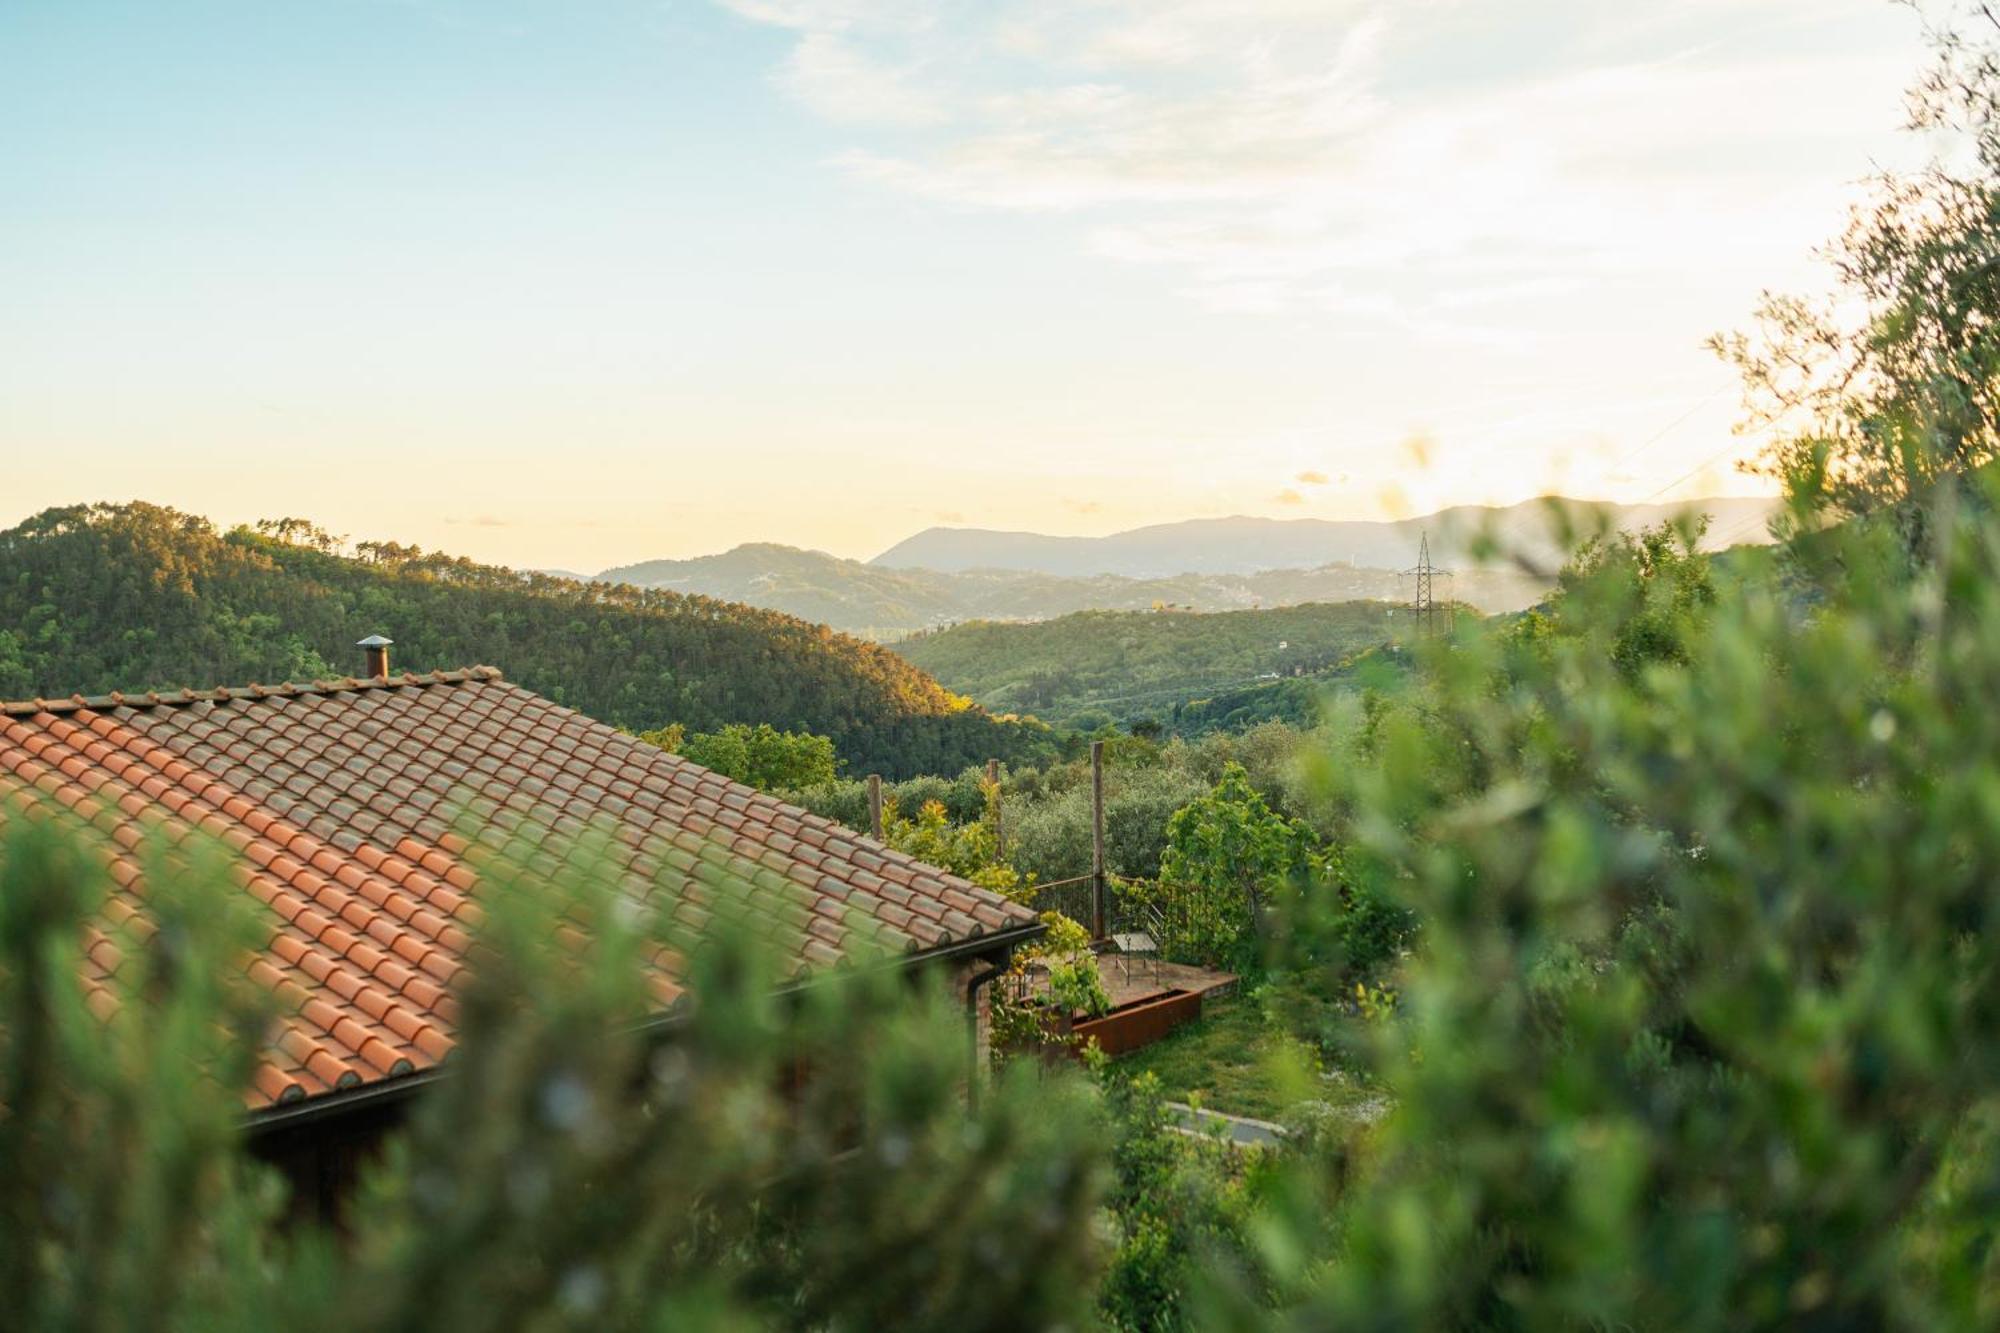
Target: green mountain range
(135, 597)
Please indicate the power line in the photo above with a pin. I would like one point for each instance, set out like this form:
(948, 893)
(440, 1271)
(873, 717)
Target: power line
(1742, 528)
(1695, 471)
(1670, 427)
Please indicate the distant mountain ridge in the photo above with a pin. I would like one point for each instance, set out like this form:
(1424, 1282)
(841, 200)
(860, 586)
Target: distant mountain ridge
(1218, 565)
(1244, 545)
(857, 598)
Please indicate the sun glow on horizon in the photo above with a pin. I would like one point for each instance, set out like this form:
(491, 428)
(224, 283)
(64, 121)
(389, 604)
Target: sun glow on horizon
(566, 287)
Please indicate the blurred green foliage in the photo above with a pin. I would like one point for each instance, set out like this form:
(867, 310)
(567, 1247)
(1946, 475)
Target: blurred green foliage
(798, 1157)
(1180, 1203)
(1660, 584)
(124, 1200)
(1699, 1033)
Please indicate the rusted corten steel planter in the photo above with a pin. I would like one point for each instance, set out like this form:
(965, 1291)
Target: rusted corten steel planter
(1140, 1023)
(1127, 1027)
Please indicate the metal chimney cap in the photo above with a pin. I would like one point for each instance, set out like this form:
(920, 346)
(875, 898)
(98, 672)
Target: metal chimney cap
(374, 641)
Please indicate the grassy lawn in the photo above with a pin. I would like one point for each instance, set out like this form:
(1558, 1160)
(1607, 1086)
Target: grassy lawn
(1233, 1060)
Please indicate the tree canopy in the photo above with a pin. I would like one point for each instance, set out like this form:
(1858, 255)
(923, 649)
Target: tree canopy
(1140, 664)
(1886, 385)
(102, 597)
(763, 756)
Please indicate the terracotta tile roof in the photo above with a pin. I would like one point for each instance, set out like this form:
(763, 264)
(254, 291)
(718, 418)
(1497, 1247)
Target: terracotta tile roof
(341, 796)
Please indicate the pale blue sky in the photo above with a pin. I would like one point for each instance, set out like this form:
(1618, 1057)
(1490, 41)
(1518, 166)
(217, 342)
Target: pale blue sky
(578, 283)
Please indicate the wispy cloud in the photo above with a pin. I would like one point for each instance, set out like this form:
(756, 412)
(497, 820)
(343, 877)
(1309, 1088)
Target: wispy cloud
(1311, 478)
(837, 77)
(836, 15)
(1288, 496)
(1286, 154)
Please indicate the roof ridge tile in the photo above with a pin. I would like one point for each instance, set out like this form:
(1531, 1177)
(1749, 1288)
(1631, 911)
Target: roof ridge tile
(226, 693)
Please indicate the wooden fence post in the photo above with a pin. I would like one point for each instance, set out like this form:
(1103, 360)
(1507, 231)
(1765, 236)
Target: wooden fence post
(999, 819)
(1097, 840)
(875, 805)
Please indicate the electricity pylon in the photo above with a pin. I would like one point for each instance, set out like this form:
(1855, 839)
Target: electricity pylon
(1425, 607)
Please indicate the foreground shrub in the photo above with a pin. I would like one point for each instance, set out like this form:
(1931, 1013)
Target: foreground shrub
(1700, 1031)
(580, 1164)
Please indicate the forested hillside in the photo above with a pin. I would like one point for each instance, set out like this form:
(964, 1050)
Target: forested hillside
(134, 597)
(1134, 665)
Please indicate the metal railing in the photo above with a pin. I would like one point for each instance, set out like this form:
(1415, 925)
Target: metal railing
(1124, 910)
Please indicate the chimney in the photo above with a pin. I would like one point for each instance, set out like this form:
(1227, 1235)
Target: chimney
(377, 650)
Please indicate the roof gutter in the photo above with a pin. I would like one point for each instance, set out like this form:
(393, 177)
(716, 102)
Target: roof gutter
(982, 944)
(390, 1092)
